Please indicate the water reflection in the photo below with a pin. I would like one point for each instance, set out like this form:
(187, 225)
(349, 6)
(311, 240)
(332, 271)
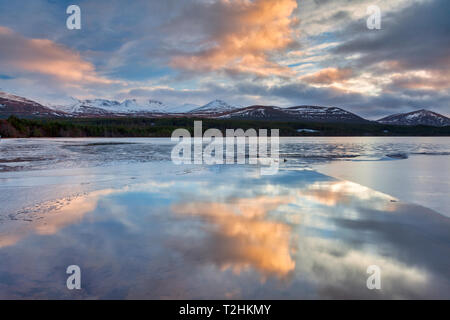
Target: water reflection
(241, 236)
(49, 217)
(298, 234)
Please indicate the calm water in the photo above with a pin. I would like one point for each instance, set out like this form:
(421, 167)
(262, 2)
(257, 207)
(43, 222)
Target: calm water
(140, 227)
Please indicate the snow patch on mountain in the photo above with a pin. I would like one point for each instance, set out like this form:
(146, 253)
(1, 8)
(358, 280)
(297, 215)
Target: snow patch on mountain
(101, 106)
(419, 117)
(215, 106)
(184, 108)
(12, 97)
(304, 113)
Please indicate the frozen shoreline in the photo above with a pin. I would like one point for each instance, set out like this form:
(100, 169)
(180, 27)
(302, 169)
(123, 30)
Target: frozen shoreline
(37, 170)
(419, 179)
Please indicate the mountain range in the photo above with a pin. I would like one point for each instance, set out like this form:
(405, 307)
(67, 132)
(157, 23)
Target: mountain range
(15, 105)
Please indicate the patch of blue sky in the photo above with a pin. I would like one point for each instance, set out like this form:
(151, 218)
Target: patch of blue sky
(293, 65)
(6, 77)
(325, 37)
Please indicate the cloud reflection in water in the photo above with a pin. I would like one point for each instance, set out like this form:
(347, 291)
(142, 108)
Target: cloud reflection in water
(294, 235)
(241, 236)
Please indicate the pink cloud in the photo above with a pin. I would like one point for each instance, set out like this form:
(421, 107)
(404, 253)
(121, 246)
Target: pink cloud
(244, 37)
(328, 76)
(45, 57)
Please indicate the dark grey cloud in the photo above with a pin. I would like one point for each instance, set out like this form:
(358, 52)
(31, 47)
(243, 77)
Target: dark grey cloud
(368, 106)
(417, 36)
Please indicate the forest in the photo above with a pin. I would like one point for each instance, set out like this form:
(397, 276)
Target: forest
(15, 127)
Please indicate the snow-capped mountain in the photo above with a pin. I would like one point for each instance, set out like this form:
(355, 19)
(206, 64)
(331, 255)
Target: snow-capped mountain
(419, 117)
(298, 113)
(15, 105)
(11, 104)
(255, 112)
(186, 107)
(12, 97)
(215, 106)
(316, 113)
(137, 106)
(95, 107)
(103, 106)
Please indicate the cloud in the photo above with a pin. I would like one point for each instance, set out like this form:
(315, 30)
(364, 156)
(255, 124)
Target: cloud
(328, 76)
(316, 52)
(25, 56)
(239, 36)
(418, 37)
(430, 80)
(318, 17)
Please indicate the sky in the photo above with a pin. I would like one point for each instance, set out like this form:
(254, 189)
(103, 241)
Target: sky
(245, 52)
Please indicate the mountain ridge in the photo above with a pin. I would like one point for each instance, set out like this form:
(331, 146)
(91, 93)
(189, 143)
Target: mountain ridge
(215, 106)
(11, 104)
(417, 117)
(296, 113)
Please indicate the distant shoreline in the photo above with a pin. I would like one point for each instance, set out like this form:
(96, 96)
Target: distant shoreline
(14, 127)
